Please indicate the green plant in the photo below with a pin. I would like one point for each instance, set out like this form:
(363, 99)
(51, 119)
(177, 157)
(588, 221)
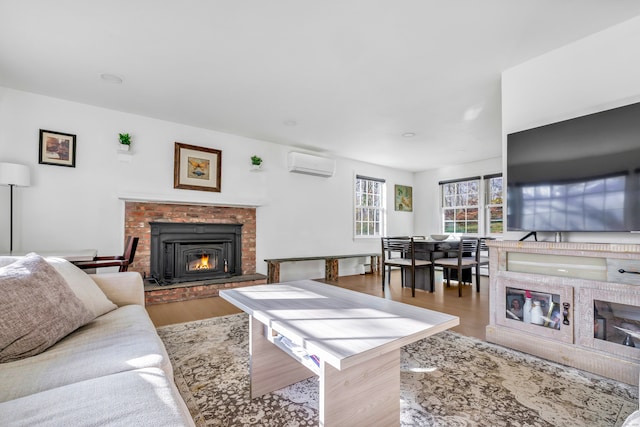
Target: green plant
(255, 160)
(125, 138)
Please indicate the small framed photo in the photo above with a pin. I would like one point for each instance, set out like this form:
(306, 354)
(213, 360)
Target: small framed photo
(403, 198)
(57, 148)
(515, 305)
(546, 302)
(196, 168)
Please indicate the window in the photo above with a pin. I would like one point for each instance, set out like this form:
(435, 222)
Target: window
(370, 202)
(460, 203)
(493, 202)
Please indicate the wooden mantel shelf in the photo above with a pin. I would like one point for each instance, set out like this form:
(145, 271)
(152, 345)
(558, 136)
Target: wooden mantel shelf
(187, 200)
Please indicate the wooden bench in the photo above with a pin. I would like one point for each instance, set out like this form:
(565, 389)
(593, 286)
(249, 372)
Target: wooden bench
(330, 264)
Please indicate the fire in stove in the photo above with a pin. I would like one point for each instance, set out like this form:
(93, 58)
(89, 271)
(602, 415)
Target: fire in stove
(201, 263)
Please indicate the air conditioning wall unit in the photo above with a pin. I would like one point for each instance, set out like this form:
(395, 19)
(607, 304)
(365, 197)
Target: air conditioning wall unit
(310, 164)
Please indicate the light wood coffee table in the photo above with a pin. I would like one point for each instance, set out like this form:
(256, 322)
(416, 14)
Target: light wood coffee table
(349, 339)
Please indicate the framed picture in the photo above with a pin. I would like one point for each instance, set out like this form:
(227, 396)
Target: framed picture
(196, 168)
(57, 148)
(515, 305)
(546, 302)
(404, 198)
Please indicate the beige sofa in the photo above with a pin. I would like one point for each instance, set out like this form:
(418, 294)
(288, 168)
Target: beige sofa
(113, 371)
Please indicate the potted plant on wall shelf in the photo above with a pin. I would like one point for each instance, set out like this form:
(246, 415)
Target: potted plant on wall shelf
(125, 141)
(256, 163)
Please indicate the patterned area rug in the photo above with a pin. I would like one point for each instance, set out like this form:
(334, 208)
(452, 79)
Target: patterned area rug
(446, 380)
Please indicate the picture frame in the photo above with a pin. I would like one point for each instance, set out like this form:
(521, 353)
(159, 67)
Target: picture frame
(57, 148)
(403, 195)
(511, 297)
(197, 168)
(546, 301)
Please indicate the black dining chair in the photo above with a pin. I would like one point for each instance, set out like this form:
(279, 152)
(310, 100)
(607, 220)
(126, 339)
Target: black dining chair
(466, 256)
(401, 252)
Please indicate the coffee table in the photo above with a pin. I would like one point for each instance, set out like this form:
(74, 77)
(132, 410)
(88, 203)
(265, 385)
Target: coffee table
(349, 339)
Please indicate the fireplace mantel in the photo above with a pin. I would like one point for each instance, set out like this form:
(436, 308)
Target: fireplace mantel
(190, 199)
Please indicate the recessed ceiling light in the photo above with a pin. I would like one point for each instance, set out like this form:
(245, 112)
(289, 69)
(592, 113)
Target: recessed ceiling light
(408, 134)
(111, 78)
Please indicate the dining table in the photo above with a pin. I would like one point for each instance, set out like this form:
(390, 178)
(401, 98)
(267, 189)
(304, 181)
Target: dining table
(430, 249)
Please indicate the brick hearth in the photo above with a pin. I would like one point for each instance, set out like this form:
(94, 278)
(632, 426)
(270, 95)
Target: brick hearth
(154, 294)
(138, 215)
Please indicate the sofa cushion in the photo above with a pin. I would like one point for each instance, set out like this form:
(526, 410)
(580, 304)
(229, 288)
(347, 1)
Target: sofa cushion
(121, 340)
(80, 283)
(144, 397)
(37, 308)
(632, 420)
(83, 286)
(6, 260)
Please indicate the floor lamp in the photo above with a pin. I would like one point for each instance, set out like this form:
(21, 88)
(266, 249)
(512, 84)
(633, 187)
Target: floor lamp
(13, 174)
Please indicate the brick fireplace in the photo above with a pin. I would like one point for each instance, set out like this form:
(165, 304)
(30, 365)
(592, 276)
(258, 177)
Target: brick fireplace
(139, 215)
(188, 252)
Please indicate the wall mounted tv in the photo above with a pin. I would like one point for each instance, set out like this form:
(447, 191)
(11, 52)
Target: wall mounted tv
(581, 174)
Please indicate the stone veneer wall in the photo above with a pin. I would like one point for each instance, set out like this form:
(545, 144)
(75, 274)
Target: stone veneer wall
(138, 215)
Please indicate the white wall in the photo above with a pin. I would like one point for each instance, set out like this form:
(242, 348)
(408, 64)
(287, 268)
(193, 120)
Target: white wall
(428, 218)
(82, 207)
(593, 74)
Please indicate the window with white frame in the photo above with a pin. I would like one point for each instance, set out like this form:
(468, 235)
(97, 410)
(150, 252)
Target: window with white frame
(493, 203)
(460, 205)
(370, 202)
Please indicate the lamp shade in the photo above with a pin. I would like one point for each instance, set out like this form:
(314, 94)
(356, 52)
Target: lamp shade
(14, 174)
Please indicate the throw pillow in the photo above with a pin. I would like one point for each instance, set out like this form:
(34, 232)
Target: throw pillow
(37, 308)
(83, 286)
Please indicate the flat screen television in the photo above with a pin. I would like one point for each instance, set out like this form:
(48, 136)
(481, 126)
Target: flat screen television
(581, 174)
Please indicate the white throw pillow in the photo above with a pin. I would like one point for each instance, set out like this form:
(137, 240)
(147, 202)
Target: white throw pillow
(83, 286)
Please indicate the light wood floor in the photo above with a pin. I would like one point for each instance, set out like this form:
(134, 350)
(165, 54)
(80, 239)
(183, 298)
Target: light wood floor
(472, 308)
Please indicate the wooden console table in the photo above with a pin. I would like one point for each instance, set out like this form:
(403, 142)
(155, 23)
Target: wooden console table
(349, 339)
(330, 264)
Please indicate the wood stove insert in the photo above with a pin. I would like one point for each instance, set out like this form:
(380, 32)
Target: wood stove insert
(185, 252)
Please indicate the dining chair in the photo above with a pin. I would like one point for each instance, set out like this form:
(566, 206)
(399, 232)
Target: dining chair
(121, 261)
(467, 256)
(401, 252)
(483, 258)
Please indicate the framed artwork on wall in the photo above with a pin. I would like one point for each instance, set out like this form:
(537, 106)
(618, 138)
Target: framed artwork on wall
(57, 148)
(403, 198)
(196, 168)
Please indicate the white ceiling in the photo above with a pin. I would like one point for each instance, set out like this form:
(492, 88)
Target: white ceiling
(341, 77)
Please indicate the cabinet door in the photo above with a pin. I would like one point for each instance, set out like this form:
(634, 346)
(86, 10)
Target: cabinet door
(610, 319)
(551, 312)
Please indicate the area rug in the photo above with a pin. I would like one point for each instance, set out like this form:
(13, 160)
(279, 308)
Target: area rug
(446, 380)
